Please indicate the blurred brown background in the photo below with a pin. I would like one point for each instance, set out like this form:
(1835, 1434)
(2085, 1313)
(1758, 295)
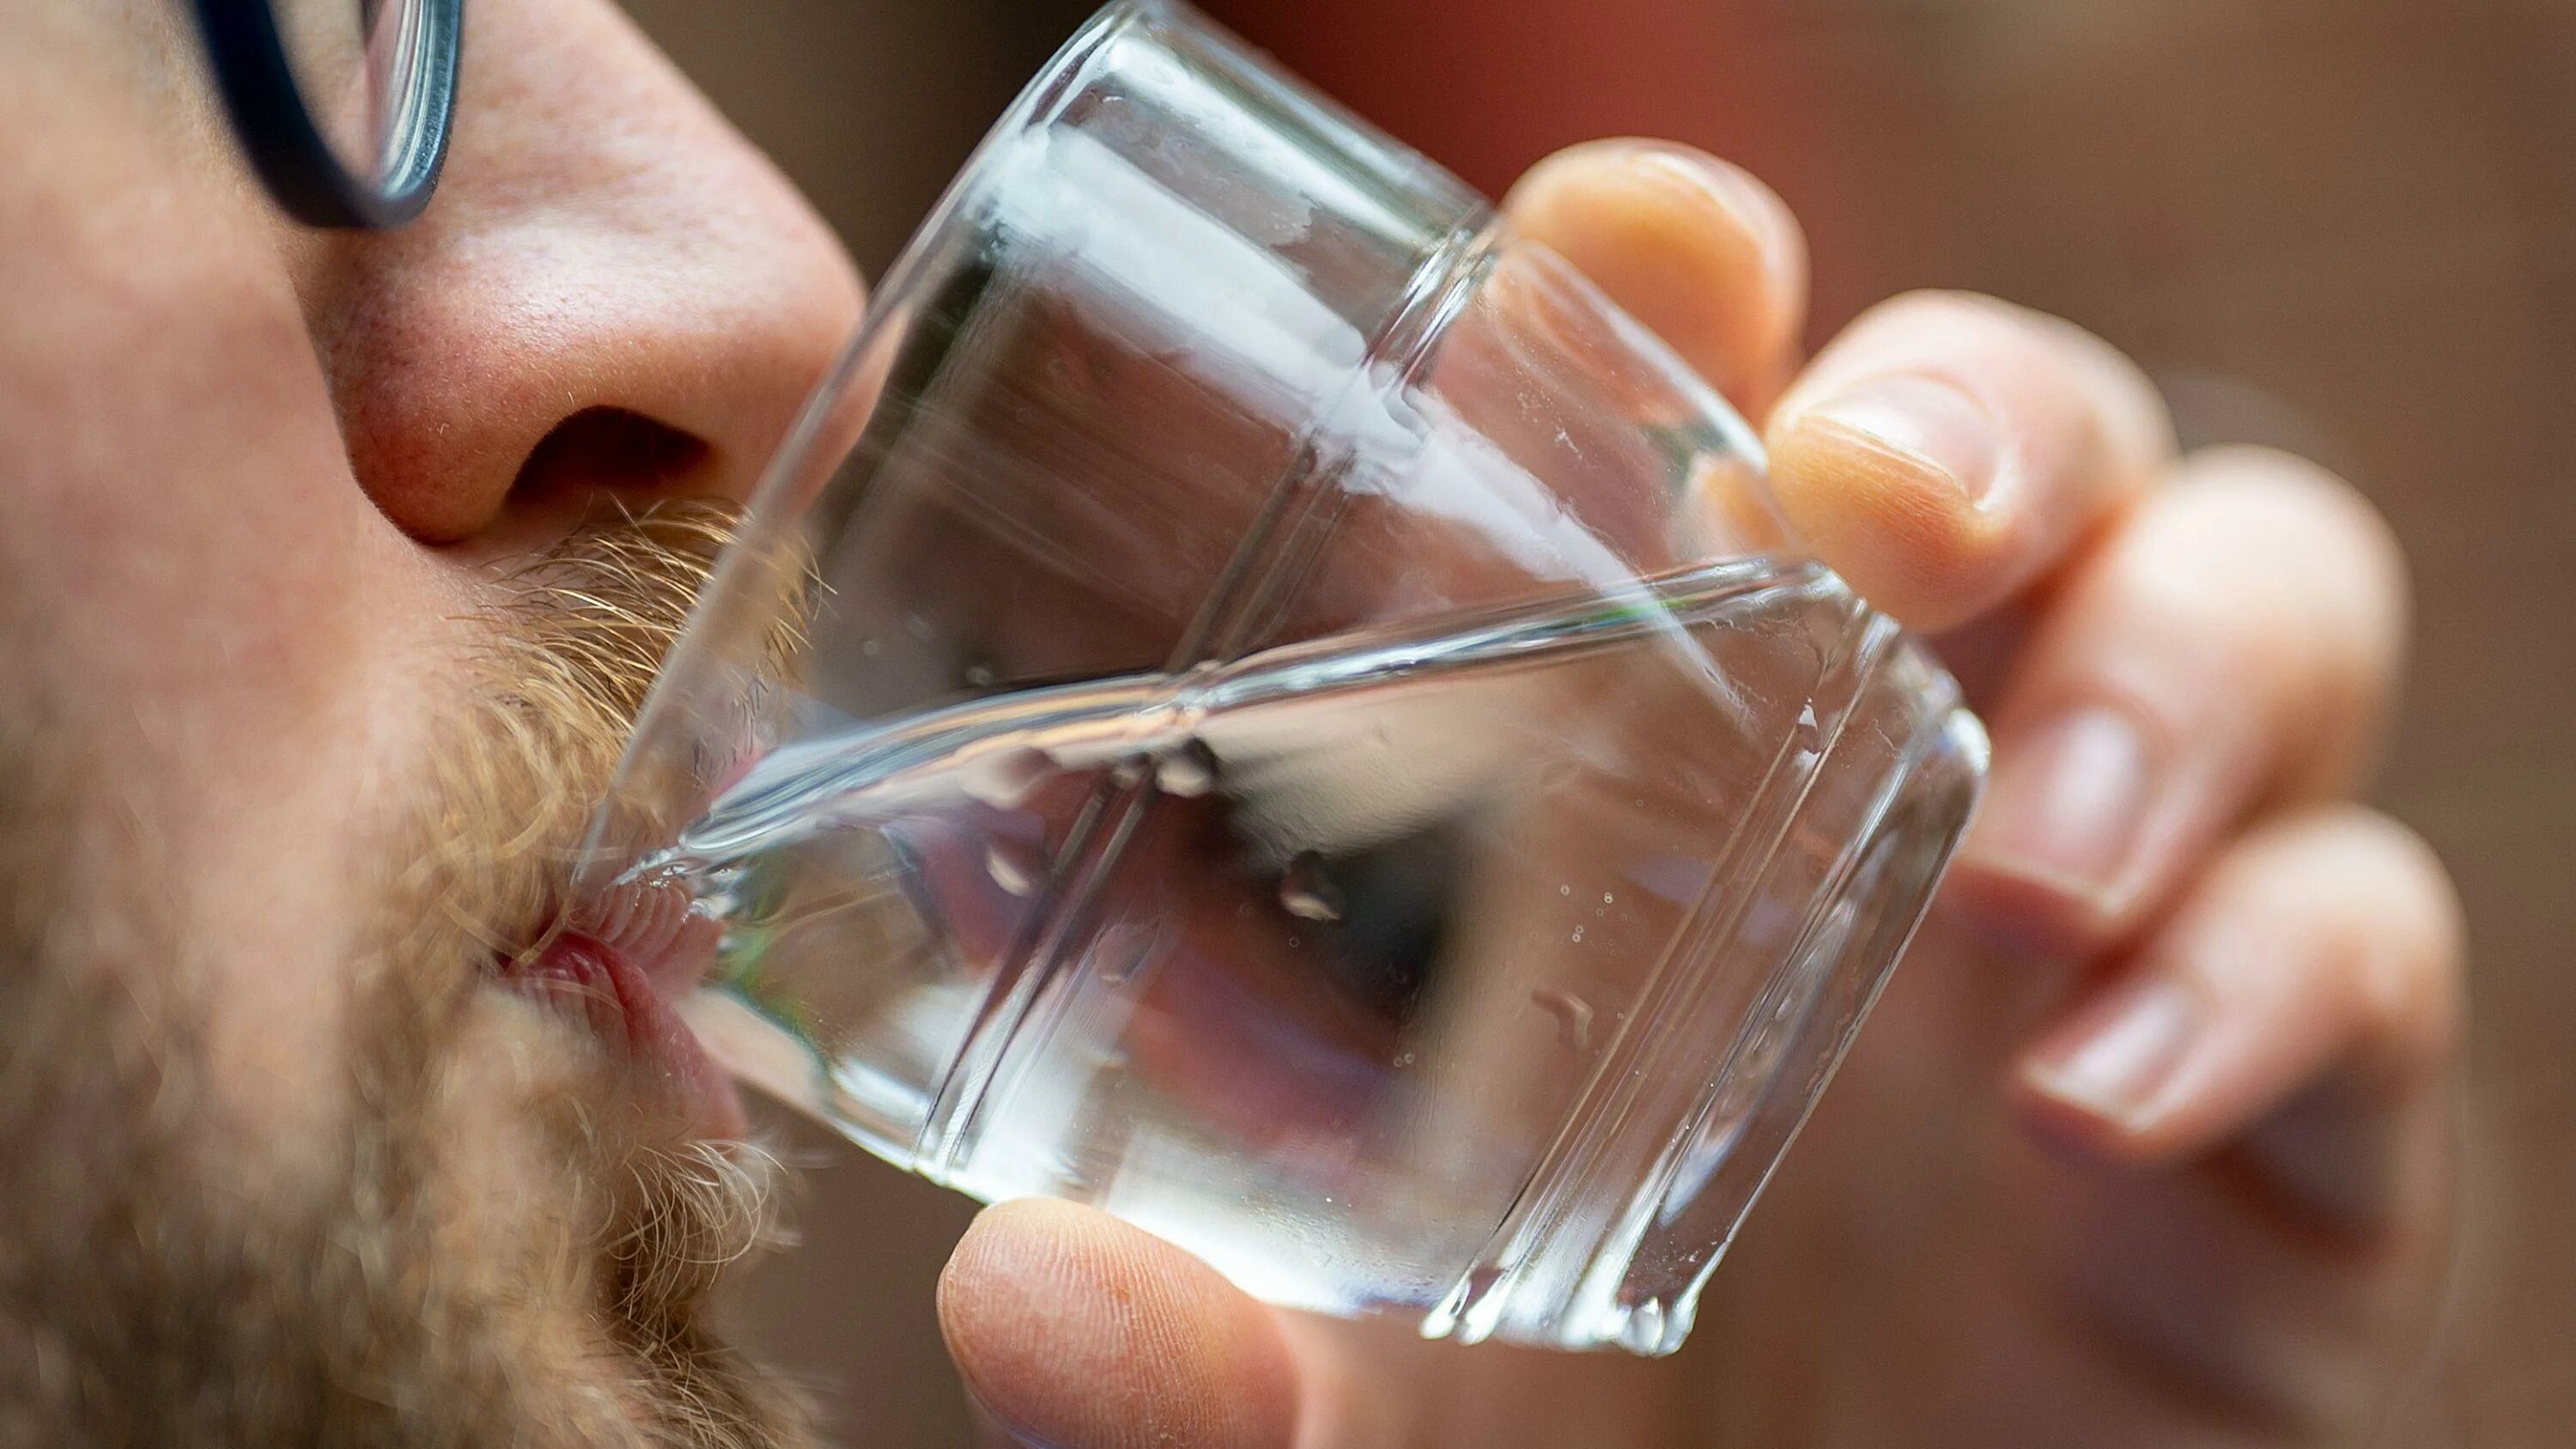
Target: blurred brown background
(2343, 226)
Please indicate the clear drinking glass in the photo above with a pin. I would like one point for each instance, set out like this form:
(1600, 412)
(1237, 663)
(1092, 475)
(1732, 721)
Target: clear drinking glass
(1258, 700)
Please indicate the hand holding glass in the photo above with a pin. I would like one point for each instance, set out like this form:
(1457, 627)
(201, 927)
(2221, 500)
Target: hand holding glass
(1308, 734)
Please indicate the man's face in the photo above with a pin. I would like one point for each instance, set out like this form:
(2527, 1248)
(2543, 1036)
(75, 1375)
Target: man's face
(322, 614)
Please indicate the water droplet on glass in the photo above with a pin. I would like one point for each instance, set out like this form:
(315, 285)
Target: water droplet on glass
(871, 647)
(917, 626)
(1573, 1015)
(1189, 771)
(1404, 1060)
(1014, 867)
(979, 676)
(1810, 736)
(1306, 892)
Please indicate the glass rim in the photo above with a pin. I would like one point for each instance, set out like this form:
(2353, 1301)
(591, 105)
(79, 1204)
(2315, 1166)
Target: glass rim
(613, 843)
(604, 853)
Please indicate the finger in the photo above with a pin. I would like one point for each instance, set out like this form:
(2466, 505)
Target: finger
(1947, 450)
(2305, 996)
(1076, 1331)
(1696, 249)
(2234, 639)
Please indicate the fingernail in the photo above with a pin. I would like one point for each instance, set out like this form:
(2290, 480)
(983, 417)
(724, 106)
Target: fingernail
(1752, 205)
(2067, 799)
(1921, 420)
(2116, 1059)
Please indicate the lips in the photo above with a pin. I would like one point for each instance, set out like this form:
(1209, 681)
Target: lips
(620, 965)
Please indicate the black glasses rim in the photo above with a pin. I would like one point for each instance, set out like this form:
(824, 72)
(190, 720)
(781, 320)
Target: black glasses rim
(287, 148)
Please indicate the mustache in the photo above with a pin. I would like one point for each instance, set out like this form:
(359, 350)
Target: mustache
(567, 653)
(593, 617)
(570, 650)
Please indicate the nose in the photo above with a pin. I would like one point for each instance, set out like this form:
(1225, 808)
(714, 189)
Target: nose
(610, 290)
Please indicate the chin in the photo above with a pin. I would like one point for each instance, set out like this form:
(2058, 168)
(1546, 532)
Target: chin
(586, 1205)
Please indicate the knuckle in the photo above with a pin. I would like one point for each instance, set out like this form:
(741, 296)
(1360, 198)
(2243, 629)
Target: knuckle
(2261, 590)
(2407, 877)
(2391, 910)
(1935, 313)
(2181, 578)
(2293, 500)
(1991, 323)
(2281, 557)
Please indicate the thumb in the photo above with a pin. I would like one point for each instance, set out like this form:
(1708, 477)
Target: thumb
(1073, 1330)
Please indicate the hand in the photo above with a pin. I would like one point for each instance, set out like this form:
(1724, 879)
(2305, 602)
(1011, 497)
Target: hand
(2150, 1142)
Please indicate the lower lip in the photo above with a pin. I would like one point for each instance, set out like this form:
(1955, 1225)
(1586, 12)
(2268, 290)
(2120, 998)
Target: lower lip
(625, 983)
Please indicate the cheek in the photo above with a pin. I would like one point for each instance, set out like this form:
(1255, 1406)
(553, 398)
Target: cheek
(520, 1127)
(257, 726)
(202, 614)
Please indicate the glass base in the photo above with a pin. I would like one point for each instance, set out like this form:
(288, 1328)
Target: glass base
(1624, 1223)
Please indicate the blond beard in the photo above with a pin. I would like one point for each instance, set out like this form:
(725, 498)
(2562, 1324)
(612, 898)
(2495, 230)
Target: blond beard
(381, 1310)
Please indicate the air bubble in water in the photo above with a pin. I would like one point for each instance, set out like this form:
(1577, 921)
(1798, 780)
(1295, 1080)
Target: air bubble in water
(1013, 866)
(1189, 771)
(979, 676)
(1573, 1015)
(1565, 890)
(1306, 892)
(1578, 933)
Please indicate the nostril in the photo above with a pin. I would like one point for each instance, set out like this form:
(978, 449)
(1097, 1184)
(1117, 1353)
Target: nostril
(607, 447)
(602, 450)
